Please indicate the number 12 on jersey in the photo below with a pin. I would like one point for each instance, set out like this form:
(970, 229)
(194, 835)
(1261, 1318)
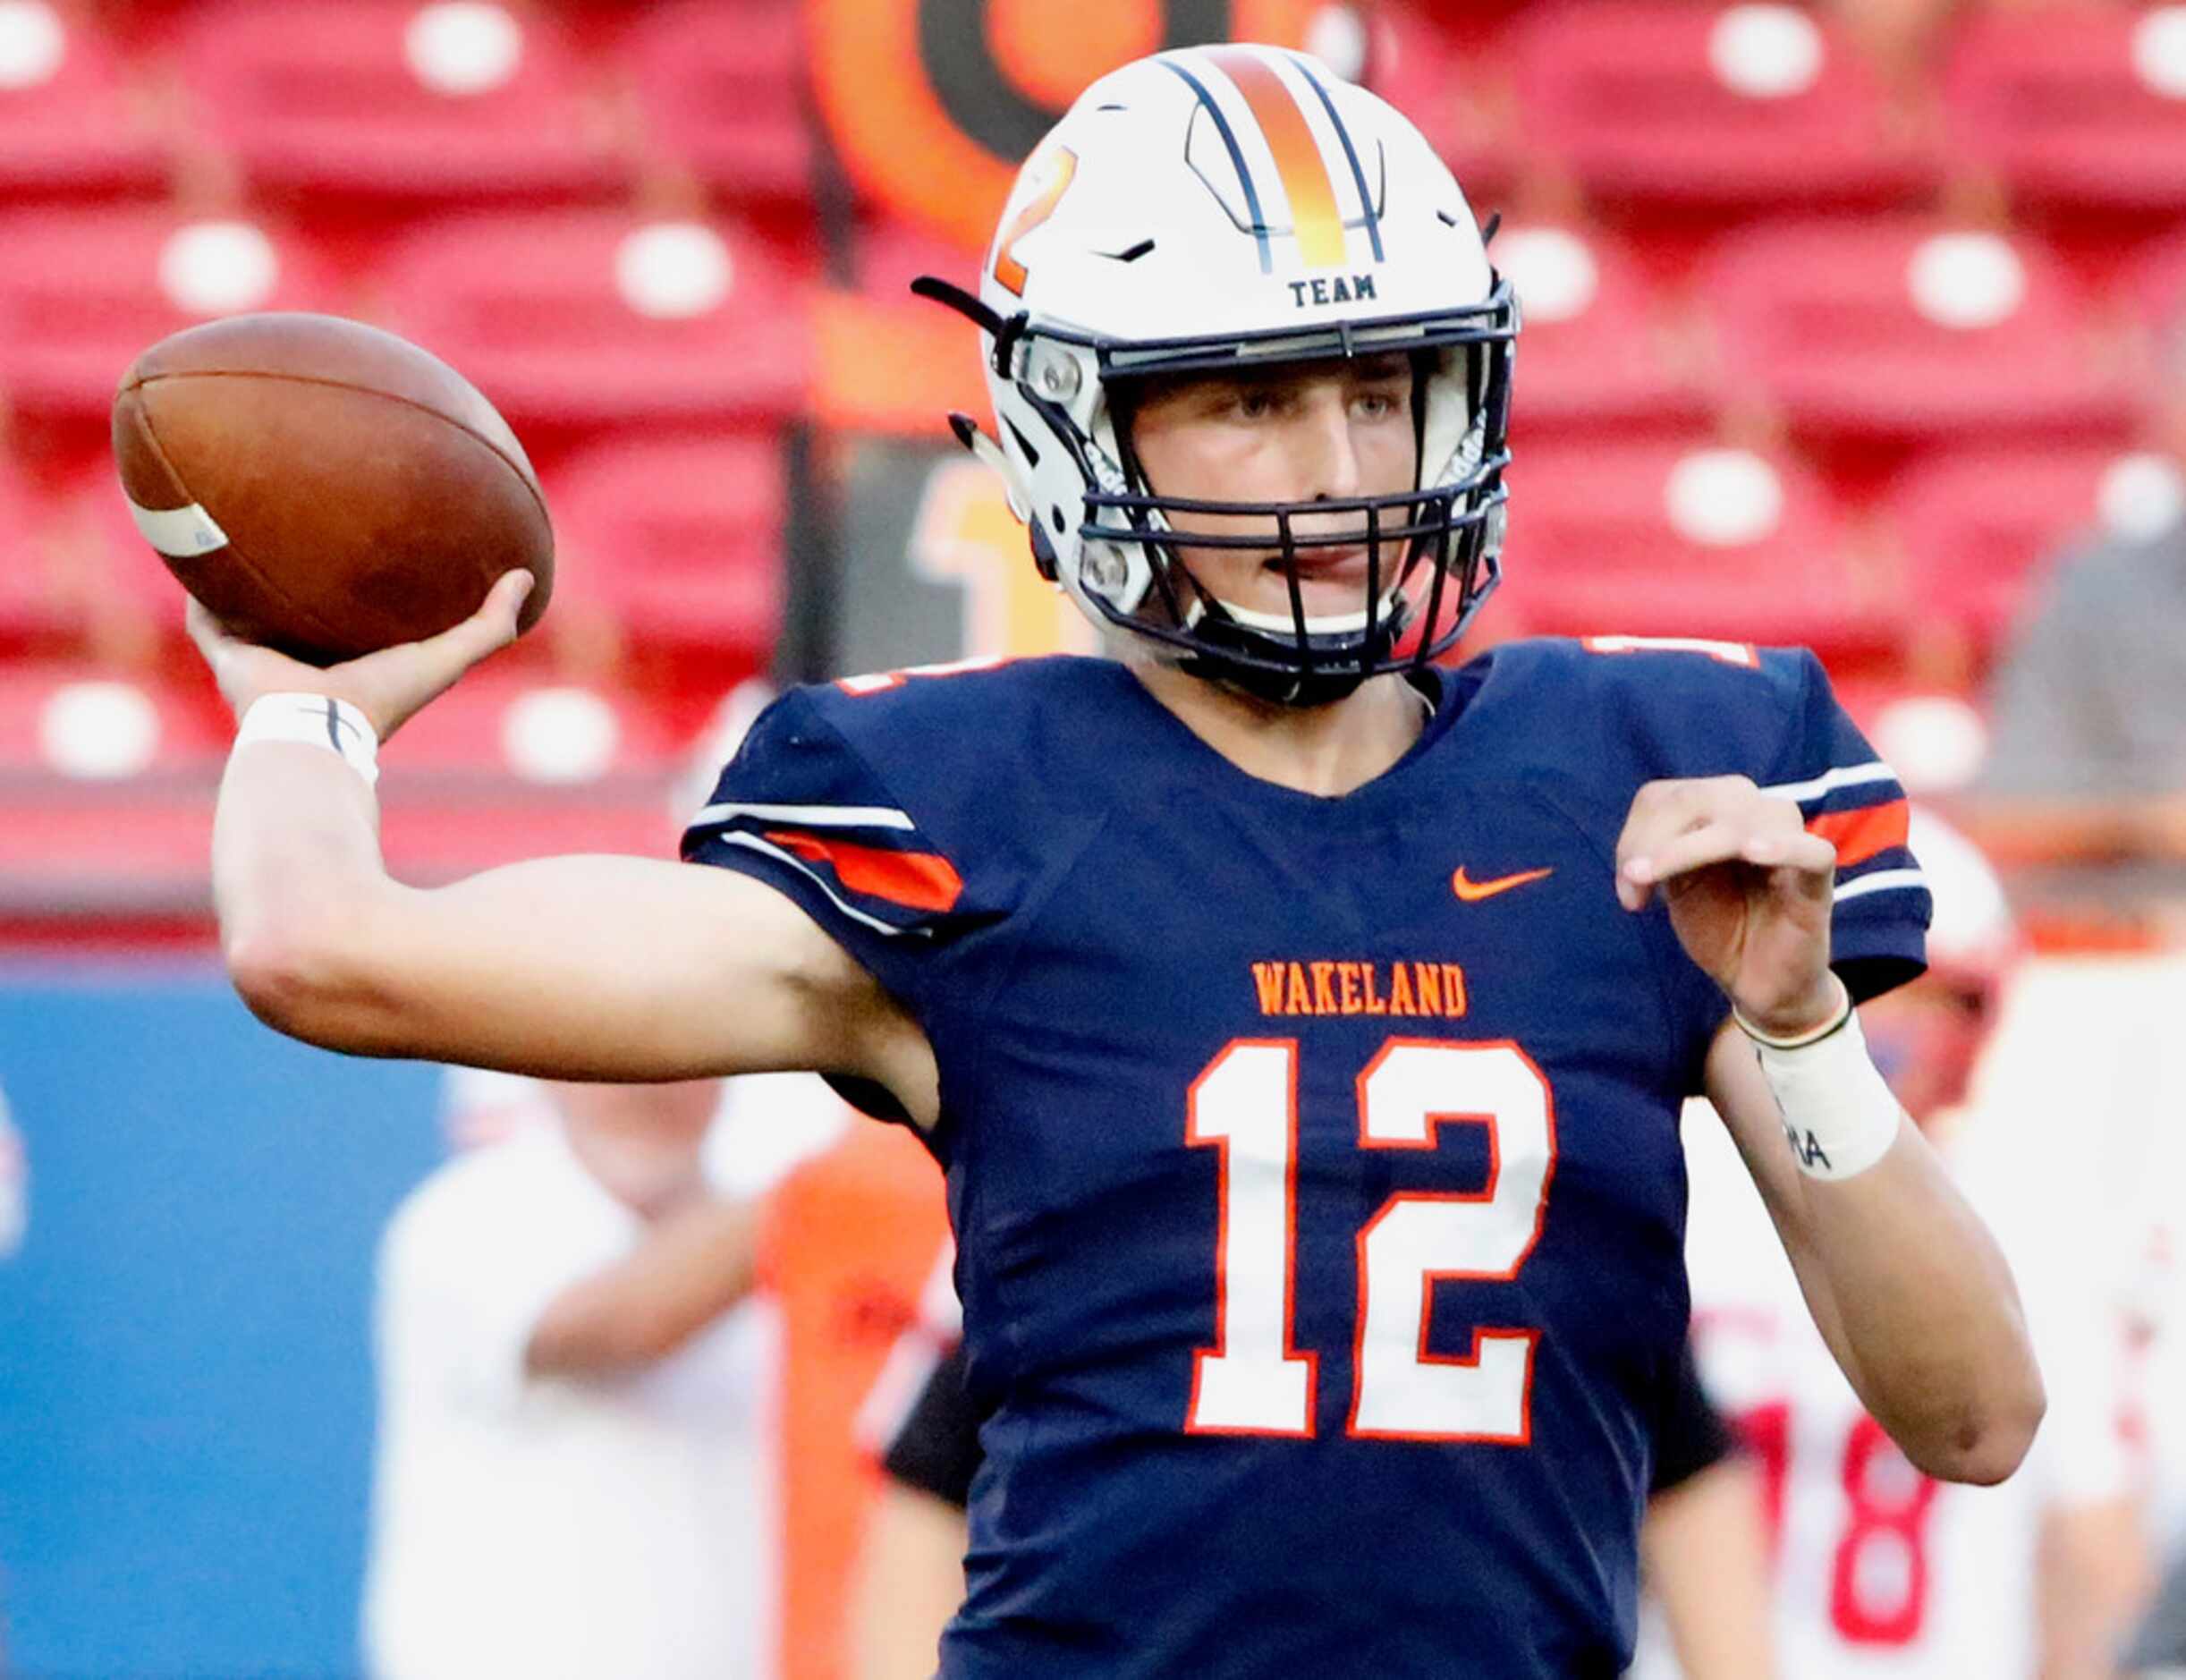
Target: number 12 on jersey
(1253, 1381)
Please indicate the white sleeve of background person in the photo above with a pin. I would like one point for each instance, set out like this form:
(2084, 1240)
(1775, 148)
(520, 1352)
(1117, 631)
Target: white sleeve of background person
(477, 1255)
(2052, 1221)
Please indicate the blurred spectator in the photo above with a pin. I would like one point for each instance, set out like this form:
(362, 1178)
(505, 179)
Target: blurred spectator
(573, 1457)
(2086, 762)
(1703, 1546)
(911, 1570)
(922, 1425)
(1879, 1571)
(2084, 788)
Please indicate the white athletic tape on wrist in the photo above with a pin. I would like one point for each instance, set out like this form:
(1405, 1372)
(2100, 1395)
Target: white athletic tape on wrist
(1839, 1116)
(315, 720)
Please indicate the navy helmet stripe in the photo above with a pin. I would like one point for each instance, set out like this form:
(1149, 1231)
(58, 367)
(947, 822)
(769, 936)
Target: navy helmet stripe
(1237, 157)
(1351, 155)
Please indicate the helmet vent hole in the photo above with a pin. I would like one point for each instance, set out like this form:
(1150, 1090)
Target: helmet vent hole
(1055, 514)
(1024, 445)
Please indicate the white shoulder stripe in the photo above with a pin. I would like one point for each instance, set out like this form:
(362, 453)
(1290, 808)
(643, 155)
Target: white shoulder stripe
(1881, 881)
(752, 843)
(1829, 781)
(811, 815)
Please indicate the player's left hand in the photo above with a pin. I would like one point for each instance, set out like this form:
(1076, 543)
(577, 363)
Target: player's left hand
(1748, 890)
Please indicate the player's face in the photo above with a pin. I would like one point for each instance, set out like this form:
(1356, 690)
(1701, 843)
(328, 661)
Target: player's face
(1926, 1038)
(1308, 432)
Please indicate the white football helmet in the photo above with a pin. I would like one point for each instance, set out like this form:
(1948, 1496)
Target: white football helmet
(1927, 1037)
(1225, 207)
(1973, 937)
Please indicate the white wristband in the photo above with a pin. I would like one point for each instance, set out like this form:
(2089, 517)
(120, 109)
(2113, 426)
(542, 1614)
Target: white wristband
(316, 720)
(1839, 1116)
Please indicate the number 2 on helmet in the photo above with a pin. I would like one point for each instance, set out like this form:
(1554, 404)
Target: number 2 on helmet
(1063, 171)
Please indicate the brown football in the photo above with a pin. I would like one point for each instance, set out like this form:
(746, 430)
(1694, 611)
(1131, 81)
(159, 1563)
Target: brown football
(325, 487)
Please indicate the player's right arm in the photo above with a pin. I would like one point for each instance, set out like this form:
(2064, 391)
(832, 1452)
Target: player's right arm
(605, 968)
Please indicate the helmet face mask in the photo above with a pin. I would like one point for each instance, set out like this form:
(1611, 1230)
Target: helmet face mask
(1126, 223)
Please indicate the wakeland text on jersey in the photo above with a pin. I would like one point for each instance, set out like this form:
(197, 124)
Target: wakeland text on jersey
(1435, 990)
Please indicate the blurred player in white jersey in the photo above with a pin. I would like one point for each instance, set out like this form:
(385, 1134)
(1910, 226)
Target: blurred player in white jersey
(1878, 1570)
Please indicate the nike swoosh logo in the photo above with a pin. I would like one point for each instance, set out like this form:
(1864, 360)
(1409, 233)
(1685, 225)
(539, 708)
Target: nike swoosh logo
(1472, 892)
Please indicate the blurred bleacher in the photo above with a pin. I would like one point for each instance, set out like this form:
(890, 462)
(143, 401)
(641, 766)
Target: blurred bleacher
(1828, 340)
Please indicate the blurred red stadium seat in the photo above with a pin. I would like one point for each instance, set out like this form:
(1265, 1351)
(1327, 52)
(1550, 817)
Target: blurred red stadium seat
(109, 781)
(1904, 330)
(2155, 290)
(1676, 106)
(1417, 61)
(131, 587)
(498, 723)
(506, 765)
(80, 722)
(1980, 528)
(36, 608)
(395, 103)
(889, 253)
(680, 541)
(66, 127)
(722, 86)
(84, 290)
(1668, 538)
(1597, 353)
(2075, 106)
(580, 319)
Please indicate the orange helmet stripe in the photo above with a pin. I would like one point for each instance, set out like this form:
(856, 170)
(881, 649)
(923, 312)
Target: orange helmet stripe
(1306, 182)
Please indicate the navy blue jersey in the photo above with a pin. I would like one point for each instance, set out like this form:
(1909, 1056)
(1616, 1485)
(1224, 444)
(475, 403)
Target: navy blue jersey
(1313, 1162)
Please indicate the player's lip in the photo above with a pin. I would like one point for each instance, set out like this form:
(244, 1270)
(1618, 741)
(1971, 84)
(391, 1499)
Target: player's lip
(1347, 561)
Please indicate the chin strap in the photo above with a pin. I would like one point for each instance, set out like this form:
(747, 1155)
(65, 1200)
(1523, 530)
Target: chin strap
(989, 452)
(1004, 330)
(1006, 334)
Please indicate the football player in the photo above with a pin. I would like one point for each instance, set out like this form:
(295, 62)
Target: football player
(1878, 1570)
(1302, 1025)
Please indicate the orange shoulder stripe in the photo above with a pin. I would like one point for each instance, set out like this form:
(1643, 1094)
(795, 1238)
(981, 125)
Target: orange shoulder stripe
(1861, 834)
(917, 880)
